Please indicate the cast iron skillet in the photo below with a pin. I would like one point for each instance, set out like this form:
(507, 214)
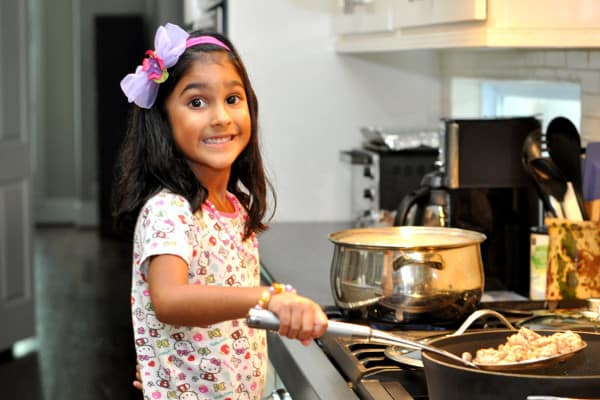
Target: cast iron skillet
(577, 376)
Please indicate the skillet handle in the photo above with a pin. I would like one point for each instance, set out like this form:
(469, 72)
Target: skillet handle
(264, 319)
(478, 314)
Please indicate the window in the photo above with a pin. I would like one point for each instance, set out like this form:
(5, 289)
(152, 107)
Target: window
(476, 98)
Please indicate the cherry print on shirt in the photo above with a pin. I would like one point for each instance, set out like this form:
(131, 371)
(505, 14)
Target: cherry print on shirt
(225, 349)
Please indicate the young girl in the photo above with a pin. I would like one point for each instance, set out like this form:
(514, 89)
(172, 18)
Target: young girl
(191, 186)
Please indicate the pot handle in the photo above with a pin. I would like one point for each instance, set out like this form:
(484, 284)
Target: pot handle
(431, 260)
(358, 303)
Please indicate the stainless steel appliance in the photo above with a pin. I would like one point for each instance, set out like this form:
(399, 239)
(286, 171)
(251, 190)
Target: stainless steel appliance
(485, 189)
(382, 176)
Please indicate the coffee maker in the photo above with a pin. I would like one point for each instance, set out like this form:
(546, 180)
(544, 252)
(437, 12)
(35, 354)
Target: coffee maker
(480, 184)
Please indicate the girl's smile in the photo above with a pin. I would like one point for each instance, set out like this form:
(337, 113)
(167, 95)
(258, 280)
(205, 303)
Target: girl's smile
(217, 140)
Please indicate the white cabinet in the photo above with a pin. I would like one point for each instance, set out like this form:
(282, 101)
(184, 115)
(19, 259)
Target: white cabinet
(442, 24)
(413, 13)
(364, 16)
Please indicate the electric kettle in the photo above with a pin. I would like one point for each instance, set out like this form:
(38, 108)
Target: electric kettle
(427, 205)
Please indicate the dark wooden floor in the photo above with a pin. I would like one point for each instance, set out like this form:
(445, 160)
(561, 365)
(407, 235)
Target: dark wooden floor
(84, 338)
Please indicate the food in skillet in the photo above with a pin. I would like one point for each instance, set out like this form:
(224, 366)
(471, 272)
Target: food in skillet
(526, 345)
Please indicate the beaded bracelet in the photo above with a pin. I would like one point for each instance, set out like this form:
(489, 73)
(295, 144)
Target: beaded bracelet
(275, 288)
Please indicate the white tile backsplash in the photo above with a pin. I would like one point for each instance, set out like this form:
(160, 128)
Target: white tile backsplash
(557, 59)
(590, 81)
(577, 66)
(594, 59)
(535, 58)
(577, 59)
(590, 105)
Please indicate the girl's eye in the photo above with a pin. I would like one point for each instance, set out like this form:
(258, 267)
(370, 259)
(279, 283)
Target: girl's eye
(233, 99)
(197, 103)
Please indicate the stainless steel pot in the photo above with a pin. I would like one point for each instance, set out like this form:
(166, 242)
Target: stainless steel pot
(408, 272)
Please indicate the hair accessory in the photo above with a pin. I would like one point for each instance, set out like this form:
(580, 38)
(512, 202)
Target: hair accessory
(205, 40)
(142, 86)
(170, 42)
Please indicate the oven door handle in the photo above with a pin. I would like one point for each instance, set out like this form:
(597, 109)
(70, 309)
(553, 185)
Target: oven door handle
(544, 397)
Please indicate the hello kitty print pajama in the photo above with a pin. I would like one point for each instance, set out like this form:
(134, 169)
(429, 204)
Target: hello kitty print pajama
(227, 360)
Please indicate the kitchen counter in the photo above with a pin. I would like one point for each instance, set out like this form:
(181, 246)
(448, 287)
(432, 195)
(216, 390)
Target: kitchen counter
(300, 254)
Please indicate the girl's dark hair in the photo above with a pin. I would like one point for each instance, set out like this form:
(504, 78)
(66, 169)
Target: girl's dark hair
(149, 160)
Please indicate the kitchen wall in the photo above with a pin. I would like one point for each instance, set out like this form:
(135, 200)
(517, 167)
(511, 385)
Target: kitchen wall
(314, 101)
(580, 67)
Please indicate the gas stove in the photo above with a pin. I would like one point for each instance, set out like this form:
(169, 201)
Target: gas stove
(374, 376)
(371, 373)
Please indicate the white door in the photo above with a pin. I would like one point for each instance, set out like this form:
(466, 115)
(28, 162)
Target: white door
(16, 279)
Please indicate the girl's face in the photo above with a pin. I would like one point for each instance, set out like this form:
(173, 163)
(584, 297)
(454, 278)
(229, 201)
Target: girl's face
(209, 115)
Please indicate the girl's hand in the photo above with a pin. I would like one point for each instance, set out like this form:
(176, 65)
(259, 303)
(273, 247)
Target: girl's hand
(137, 383)
(300, 318)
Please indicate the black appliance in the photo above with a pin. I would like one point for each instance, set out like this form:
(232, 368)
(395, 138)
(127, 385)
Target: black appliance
(481, 185)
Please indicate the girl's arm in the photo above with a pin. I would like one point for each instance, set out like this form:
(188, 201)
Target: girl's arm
(176, 302)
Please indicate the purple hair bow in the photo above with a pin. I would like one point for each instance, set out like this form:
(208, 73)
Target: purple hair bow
(142, 86)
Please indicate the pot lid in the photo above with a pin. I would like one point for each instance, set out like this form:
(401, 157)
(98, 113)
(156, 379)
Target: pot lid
(407, 237)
